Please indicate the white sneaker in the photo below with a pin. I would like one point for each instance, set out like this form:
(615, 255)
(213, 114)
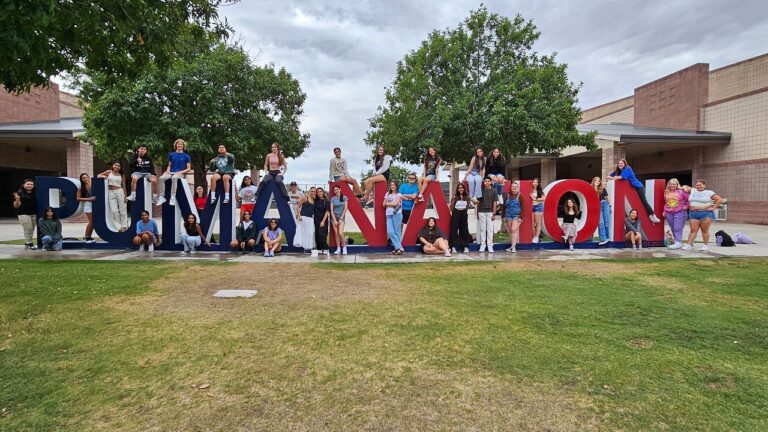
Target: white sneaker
(151, 247)
(344, 250)
(160, 200)
(226, 198)
(172, 201)
(466, 250)
(132, 196)
(686, 247)
(453, 250)
(490, 249)
(535, 239)
(338, 251)
(141, 248)
(704, 248)
(266, 253)
(634, 248)
(447, 253)
(640, 246)
(326, 252)
(193, 251)
(511, 249)
(184, 252)
(603, 243)
(482, 249)
(654, 218)
(570, 247)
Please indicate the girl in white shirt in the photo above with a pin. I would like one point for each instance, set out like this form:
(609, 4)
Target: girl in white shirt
(701, 214)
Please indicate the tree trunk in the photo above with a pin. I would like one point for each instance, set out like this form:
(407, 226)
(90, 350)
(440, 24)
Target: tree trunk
(200, 167)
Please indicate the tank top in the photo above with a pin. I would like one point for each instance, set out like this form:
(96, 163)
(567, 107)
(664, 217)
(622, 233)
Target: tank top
(191, 229)
(115, 180)
(307, 209)
(479, 163)
(273, 161)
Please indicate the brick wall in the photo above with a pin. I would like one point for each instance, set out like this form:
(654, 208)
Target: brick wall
(746, 119)
(594, 113)
(627, 115)
(37, 105)
(69, 105)
(738, 78)
(675, 100)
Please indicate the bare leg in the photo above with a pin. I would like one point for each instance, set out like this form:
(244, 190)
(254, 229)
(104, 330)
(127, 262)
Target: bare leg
(89, 226)
(214, 179)
(341, 240)
(695, 224)
(537, 224)
(705, 230)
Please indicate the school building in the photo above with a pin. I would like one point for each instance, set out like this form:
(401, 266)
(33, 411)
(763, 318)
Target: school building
(694, 123)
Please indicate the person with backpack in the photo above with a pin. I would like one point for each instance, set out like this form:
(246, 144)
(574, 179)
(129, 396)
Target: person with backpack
(703, 203)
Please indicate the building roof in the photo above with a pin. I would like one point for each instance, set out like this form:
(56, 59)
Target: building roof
(64, 128)
(628, 133)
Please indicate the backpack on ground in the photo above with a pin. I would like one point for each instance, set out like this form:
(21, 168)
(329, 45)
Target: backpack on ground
(723, 239)
(741, 238)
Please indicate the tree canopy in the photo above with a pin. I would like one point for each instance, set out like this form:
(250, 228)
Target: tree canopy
(479, 84)
(210, 96)
(119, 38)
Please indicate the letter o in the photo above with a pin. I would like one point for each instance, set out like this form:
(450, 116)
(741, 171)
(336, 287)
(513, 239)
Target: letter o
(589, 204)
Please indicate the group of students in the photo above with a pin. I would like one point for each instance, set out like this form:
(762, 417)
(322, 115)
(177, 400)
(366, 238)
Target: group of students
(316, 212)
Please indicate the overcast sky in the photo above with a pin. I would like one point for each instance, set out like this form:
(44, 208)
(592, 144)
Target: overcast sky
(344, 52)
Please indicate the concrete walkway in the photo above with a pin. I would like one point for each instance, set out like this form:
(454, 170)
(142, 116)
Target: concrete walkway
(10, 230)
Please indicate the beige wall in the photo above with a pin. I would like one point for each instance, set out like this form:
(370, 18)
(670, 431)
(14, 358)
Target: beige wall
(591, 114)
(747, 120)
(738, 78)
(69, 105)
(624, 116)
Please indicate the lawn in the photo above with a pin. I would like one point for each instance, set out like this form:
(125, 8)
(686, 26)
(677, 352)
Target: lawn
(526, 345)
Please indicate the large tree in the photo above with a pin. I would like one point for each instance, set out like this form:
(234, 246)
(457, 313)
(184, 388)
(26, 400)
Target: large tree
(120, 38)
(211, 95)
(480, 84)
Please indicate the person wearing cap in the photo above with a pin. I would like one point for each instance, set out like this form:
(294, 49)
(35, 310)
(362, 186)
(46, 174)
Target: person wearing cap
(294, 194)
(338, 172)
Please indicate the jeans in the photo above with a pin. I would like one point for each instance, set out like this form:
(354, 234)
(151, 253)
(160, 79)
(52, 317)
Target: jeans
(605, 221)
(676, 222)
(28, 227)
(485, 229)
(190, 242)
(475, 183)
(174, 183)
(394, 225)
(49, 244)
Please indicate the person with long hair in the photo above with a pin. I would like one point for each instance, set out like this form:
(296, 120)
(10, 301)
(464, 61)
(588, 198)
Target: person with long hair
(305, 212)
(85, 196)
(632, 230)
(486, 215)
(570, 214)
(117, 196)
(273, 238)
(393, 206)
(624, 172)
(339, 206)
(25, 203)
(605, 211)
(475, 174)
(459, 237)
(537, 200)
(676, 210)
(430, 172)
(222, 168)
(433, 240)
(513, 207)
(142, 168)
(703, 203)
(496, 170)
(321, 213)
(147, 233)
(275, 167)
(49, 228)
(381, 164)
(246, 195)
(245, 234)
(192, 235)
(339, 172)
(179, 164)
(200, 198)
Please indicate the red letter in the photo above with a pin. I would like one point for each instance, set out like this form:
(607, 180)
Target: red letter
(589, 204)
(625, 199)
(376, 236)
(416, 222)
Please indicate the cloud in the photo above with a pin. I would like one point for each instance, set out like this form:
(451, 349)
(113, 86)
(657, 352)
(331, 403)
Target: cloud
(344, 52)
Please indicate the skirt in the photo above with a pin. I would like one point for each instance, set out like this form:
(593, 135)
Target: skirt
(569, 230)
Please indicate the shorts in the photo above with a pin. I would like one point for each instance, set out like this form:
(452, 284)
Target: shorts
(538, 208)
(386, 175)
(142, 175)
(87, 206)
(701, 215)
(247, 207)
(339, 218)
(512, 217)
(406, 215)
(336, 178)
(431, 177)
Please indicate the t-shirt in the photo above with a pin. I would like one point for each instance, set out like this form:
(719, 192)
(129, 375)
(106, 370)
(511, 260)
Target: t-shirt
(295, 197)
(431, 164)
(571, 218)
(675, 201)
(338, 205)
(431, 235)
(191, 229)
(701, 198)
(604, 195)
(273, 235)
(629, 175)
(486, 202)
(200, 202)
(178, 161)
(224, 164)
(408, 189)
(28, 204)
(248, 194)
(150, 226)
(392, 197)
(142, 164)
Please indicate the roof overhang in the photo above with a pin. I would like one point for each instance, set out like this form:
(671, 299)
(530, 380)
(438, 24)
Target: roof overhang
(67, 128)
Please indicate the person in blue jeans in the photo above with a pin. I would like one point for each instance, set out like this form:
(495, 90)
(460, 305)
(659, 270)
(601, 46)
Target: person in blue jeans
(624, 172)
(512, 215)
(192, 236)
(394, 210)
(605, 211)
(475, 174)
(49, 228)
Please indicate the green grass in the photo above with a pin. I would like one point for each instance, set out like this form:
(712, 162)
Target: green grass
(603, 345)
(13, 242)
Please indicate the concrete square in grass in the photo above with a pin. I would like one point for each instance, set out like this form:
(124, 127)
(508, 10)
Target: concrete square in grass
(234, 293)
